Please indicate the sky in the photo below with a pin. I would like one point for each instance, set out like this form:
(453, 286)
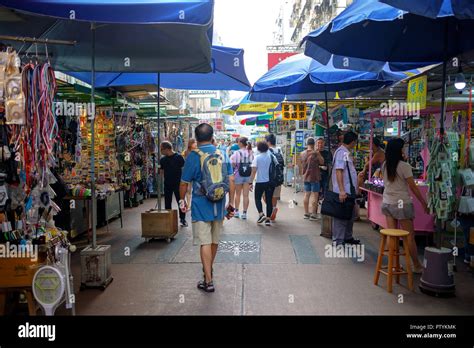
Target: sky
(248, 24)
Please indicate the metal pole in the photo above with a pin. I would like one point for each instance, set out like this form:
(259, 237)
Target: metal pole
(93, 198)
(327, 118)
(443, 91)
(158, 176)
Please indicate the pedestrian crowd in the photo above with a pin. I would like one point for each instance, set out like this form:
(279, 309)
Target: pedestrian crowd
(214, 180)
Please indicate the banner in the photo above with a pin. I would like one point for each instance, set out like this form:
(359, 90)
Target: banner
(293, 111)
(417, 91)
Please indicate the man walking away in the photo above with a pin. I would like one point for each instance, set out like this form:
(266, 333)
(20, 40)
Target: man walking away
(344, 177)
(171, 165)
(311, 159)
(271, 142)
(211, 173)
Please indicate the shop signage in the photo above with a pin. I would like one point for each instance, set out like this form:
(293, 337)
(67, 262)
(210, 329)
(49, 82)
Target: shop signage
(219, 124)
(293, 111)
(202, 94)
(299, 141)
(417, 91)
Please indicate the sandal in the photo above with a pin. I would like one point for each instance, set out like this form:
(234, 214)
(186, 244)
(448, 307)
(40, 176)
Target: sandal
(206, 287)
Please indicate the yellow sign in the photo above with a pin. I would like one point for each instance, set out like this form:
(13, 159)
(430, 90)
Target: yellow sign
(293, 111)
(417, 91)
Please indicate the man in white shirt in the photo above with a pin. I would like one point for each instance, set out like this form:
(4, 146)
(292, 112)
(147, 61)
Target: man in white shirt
(344, 185)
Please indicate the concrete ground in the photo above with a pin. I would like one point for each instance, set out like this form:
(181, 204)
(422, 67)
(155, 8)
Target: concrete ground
(278, 270)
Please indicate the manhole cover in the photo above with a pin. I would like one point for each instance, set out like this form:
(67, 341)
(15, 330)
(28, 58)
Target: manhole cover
(233, 246)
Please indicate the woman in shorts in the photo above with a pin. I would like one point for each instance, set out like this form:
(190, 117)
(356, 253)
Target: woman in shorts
(397, 204)
(241, 162)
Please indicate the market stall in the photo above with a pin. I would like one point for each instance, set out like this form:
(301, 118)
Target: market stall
(419, 134)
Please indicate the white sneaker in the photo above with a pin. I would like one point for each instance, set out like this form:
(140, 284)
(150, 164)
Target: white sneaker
(313, 217)
(243, 216)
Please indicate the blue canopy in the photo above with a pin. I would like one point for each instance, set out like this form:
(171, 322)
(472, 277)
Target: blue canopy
(131, 35)
(462, 9)
(300, 78)
(370, 33)
(228, 73)
(121, 11)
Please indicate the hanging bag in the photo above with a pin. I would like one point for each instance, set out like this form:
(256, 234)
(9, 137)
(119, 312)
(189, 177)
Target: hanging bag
(332, 206)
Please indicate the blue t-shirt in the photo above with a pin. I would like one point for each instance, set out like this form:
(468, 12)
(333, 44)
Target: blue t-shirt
(202, 209)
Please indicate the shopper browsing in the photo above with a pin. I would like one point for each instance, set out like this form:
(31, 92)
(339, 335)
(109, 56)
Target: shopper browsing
(261, 171)
(311, 159)
(397, 204)
(211, 173)
(171, 165)
(276, 151)
(344, 176)
(241, 162)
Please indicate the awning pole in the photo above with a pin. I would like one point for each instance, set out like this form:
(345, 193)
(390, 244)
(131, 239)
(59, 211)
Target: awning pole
(327, 118)
(40, 41)
(158, 176)
(93, 198)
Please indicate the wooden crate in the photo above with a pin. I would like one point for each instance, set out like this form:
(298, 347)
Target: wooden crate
(19, 272)
(159, 224)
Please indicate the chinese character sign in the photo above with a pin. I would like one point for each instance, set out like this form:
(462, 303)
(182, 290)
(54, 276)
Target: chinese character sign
(293, 111)
(417, 91)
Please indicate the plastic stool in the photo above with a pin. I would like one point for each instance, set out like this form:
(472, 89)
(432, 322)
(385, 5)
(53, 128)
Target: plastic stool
(392, 236)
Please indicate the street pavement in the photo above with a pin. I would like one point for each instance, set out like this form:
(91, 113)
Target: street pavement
(279, 270)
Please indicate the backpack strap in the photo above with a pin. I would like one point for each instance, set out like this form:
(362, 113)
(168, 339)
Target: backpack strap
(202, 155)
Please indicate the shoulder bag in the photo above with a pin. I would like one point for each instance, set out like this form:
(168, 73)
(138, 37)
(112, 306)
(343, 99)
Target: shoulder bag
(332, 206)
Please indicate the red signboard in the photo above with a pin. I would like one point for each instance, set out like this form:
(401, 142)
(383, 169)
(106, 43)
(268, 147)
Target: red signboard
(275, 58)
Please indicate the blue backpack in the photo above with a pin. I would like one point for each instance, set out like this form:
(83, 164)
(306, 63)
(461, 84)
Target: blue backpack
(214, 176)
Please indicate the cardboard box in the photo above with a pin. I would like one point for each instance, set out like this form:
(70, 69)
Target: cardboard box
(19, 272)
(160, 224)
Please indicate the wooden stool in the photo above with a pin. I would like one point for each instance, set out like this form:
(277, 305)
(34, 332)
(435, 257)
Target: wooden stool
(393, 267)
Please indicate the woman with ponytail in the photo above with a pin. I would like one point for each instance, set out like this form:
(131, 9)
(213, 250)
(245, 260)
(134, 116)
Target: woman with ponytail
(241, 162)
(397, 204)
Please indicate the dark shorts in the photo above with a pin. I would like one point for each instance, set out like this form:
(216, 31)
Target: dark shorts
(312, 186)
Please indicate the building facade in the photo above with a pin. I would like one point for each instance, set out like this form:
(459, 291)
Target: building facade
(308, 15)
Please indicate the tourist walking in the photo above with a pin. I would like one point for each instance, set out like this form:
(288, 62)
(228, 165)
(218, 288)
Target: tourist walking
(241, 162)
(261, 172)
(276, 151)
(208, 198)
(311, 159)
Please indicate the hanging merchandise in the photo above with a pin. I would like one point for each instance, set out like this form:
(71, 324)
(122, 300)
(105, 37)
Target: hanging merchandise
(28, 133)
(441, 174)
(75, 151)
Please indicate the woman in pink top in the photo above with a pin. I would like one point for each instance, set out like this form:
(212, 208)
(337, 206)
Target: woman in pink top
(241, 162)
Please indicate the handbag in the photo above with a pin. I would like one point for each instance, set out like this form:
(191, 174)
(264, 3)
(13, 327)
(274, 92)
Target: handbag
(332, 206)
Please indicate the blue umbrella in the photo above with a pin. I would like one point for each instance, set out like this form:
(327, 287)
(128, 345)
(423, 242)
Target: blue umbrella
(300, 78)
(131, 35)
(462, 9)
(228, 73)
(370, 33)
(115, 35)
